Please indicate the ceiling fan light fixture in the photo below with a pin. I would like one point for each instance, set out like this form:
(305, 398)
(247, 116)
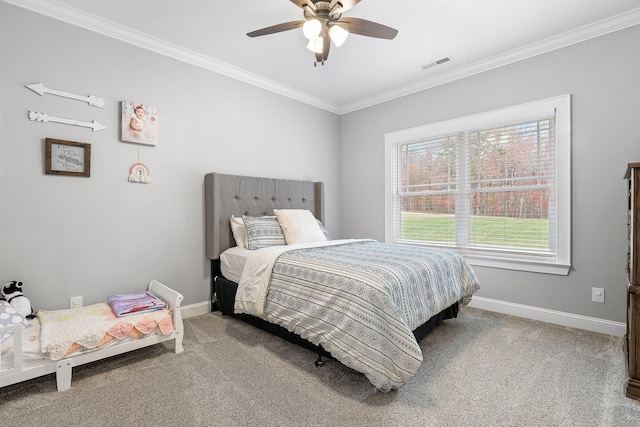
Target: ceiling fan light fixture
(323, 25)
(312, 28)
(338, 35)
(315, 45)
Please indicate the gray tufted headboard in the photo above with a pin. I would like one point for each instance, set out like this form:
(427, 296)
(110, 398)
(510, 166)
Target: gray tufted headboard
(227, 195)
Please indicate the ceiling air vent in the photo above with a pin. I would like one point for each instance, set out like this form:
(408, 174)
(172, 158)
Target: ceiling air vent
(438, 62)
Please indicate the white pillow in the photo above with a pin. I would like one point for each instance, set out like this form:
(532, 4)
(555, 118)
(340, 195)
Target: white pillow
(299, 226)
(239, 231)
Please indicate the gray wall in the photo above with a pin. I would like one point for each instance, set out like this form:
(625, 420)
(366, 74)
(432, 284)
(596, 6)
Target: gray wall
(603, 76)
(66, 236)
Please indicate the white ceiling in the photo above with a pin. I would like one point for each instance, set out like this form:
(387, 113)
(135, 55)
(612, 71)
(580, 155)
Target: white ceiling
(477, 35)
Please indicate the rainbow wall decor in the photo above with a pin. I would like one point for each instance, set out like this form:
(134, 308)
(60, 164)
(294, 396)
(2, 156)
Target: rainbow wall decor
(139, 173)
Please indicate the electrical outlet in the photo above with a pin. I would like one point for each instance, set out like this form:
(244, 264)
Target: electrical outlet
(75, 302)
(597, 295)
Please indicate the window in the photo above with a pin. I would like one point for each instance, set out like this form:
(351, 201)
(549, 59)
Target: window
(493, 186)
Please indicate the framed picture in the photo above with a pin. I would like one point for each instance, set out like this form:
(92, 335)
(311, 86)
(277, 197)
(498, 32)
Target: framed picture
(139, 123)
(67, 158)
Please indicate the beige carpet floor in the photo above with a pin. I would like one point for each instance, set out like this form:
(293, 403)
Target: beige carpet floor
(481, 369)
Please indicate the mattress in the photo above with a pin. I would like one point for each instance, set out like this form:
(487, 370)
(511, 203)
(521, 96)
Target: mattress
(232, 262)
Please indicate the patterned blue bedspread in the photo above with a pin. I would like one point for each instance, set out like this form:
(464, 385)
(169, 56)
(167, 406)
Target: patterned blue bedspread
(361, 301)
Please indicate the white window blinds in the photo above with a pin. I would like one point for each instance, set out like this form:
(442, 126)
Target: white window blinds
(490, 188)
(487, 185)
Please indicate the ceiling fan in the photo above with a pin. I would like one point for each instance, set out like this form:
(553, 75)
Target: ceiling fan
(323, 23)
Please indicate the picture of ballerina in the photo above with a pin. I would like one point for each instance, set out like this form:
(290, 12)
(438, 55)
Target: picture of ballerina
(139, 123)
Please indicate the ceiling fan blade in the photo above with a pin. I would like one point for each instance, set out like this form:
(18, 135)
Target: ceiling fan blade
(346, 5)
(367, 28)
(303, 3)
(276, 28)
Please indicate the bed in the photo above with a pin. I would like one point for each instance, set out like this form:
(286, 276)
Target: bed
(364, 314)
(22, 347)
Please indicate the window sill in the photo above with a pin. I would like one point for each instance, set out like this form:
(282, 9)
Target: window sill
(519, 265)
(506, 262)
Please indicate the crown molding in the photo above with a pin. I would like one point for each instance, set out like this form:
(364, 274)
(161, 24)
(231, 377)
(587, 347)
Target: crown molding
(76, 17)
(73, 16)
(568, 38)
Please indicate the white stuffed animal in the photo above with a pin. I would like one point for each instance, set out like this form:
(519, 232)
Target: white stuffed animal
(12, 293)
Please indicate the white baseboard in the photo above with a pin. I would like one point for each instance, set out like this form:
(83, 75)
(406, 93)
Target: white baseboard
(196, 309)
(526, 311)
(550, 316)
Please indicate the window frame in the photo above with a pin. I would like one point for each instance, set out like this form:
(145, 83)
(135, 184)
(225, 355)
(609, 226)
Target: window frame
(561, 105)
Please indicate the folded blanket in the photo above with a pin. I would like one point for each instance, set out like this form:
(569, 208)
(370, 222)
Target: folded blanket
(126, 304)
(64, 331)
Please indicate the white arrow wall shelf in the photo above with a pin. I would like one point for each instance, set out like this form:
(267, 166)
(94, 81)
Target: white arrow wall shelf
(41, 89)
(44, 118)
